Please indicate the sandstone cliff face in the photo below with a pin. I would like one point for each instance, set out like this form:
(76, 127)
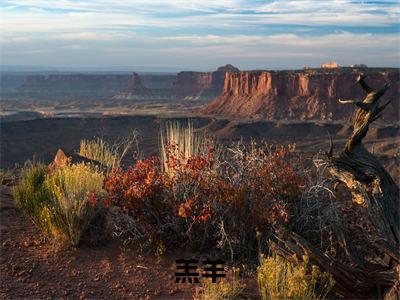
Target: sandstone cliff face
(192, 82)
(298, 95)
(158, 81)
(202, 86)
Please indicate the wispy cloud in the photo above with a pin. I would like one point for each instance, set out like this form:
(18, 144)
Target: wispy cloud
(230, 29)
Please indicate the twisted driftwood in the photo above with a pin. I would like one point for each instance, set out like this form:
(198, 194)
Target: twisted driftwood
(373, 188)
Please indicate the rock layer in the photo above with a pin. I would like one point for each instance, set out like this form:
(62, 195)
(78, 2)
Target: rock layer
(186, 86)
(74, 85)
(298, 95)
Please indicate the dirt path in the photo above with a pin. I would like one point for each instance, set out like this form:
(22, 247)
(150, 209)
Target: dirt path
(31, 268)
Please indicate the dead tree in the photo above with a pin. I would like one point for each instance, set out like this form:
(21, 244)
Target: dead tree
(373, 188)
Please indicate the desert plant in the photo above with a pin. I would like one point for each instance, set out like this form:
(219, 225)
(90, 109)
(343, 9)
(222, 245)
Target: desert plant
(99, 150)
(229, 288)
(73, 190)
(179, 142)
(218, 197)
(111, 154)
(137, 196)
(279, 278)
(62, 203)
(30, 195)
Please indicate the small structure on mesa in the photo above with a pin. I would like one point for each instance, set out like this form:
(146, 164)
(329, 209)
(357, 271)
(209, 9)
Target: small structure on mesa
(330, 65)
(358, 66)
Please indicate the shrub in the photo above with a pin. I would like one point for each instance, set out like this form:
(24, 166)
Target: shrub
(282, 279)
(74, 191)
(205, 196)
(138, 198)
(30, 195)
(229, 288)
(99, 150)
(219, 197)
(63, 203)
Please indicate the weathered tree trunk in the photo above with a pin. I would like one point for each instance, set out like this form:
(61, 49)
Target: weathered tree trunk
(362, 173)
(373, 188)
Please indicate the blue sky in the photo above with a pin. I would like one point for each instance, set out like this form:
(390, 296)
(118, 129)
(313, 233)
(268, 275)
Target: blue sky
(199, 34)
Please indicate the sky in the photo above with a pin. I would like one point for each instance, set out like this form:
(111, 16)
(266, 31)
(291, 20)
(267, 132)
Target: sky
(199, 34)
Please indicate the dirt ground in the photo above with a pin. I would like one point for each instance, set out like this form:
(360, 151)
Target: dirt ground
(30, 267)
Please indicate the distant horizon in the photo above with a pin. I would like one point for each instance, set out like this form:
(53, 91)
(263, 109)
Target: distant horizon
(141, 69)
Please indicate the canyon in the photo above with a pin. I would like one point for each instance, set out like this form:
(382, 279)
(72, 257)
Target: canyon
(300, 95)
(309, 94)
(69, 86)
(278, 106)
(186, 85)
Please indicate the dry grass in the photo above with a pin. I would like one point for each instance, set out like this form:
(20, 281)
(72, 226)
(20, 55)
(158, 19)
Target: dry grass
(59, 203)
(282, 279)
(229, 288)
(111, 154)
(30, 195)
(99, 150)
(9, 176)
(71, 188)
(178, 141)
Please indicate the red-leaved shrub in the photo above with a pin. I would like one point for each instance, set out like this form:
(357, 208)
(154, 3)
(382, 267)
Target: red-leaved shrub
(217, 198)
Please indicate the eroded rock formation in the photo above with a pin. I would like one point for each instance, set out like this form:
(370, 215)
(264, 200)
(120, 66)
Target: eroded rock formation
(186, 86)
(297, 95)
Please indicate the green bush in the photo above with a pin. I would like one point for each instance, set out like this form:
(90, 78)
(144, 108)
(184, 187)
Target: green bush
(62, 203)
(74, 190)
(30, 195)
(279, 278)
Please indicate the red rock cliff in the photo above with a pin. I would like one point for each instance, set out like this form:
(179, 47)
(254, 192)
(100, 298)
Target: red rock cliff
(192, 82)
(185, 85)
(298, 95)
(195, 82)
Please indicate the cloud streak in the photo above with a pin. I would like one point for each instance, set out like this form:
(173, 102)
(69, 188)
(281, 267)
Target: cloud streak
(245, 31)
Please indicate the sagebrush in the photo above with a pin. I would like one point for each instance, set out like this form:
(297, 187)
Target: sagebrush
(30, 195)
(61, 203)
(279, 278)
(229, 288)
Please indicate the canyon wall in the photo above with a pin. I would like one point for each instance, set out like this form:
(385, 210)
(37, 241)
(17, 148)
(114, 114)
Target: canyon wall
(91, 86)
(309, 94)
(269, 95)
(186, 85)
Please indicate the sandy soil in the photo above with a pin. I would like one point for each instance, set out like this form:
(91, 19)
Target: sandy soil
(32, 268)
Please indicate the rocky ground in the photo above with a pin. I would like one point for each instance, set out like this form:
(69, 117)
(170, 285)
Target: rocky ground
(30, 267)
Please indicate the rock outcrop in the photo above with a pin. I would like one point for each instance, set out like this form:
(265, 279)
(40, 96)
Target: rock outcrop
(61, 160)
(309, 94)
(187, 85)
